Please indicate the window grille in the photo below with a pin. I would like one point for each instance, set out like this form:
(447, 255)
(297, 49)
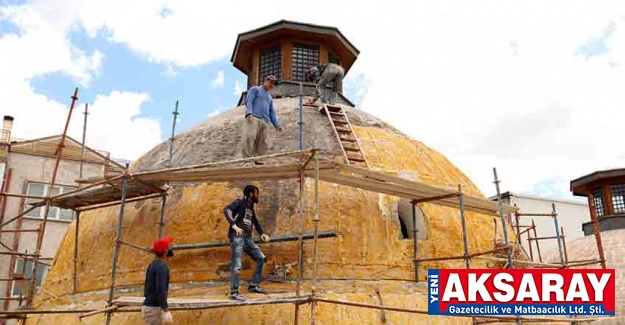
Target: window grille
(599, 203)
(304, 57)
(270, 63)
(618, 198)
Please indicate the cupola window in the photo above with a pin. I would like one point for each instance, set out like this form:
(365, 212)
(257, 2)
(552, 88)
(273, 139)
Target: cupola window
(304, 57)
(270, 63)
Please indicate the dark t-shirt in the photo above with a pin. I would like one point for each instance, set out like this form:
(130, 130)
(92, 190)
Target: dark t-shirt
(156, 284)
(241, 212)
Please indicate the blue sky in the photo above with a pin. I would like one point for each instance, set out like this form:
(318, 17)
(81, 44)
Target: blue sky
(124, 70)
(475, 81)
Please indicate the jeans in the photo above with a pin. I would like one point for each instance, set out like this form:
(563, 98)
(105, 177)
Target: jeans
(239, 244)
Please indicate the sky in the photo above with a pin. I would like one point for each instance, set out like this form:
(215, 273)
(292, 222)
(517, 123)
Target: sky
(534, 88)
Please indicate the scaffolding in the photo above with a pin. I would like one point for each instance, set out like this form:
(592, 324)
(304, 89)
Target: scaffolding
(533, 240)
(302, 164)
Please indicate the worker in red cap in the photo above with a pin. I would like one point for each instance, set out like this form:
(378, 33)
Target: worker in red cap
(155, 310)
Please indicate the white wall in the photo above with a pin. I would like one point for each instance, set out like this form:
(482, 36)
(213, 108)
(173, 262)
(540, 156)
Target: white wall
(31, 168)
(571, 215)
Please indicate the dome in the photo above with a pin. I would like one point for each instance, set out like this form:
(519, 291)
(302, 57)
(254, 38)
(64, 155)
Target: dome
(370, 261)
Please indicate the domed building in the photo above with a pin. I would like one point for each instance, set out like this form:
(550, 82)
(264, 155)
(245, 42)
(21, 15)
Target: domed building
(370, 260)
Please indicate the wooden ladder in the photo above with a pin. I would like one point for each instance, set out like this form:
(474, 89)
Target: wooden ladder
(344, 132)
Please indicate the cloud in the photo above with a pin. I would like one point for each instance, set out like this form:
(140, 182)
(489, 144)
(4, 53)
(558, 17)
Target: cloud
(473, 80)
(40, 45)
(115, 124)
(216, 112)
(171, 71)
(218, 82)
(597, 45)
(238, 88)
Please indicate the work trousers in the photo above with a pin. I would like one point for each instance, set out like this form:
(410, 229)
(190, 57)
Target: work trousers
(255, 137)
(332, 74)
(152, 315)
(240, 244)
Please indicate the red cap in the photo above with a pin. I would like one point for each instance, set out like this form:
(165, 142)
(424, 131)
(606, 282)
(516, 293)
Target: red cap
(160, 245)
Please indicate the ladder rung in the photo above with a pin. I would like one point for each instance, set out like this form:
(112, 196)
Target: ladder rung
(340, 122)
(351, 149)
(343, 130)
(348, 140)
(356, 159)
(334, 108)
(339, 114)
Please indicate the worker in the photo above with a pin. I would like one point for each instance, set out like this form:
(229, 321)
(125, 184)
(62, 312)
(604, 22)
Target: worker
(259, 114)
(155, 309)
(241, 216)
(323, 75)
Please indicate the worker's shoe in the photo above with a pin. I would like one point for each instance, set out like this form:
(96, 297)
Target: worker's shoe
(256, 289)
(259, 163)
(237, 296)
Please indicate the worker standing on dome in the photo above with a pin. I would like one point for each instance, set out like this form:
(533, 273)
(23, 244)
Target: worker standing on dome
(322, 75)
(241, 216)
(259, 113)
(155, 310)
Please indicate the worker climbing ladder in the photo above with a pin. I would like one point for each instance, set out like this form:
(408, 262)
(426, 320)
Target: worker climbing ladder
(342, 127)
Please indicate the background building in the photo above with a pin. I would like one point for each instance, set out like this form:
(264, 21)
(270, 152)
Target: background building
(605, 191)
(571, 215)
(27, 167)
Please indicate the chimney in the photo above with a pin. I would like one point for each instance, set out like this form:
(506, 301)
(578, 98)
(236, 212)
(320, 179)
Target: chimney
(7, 126)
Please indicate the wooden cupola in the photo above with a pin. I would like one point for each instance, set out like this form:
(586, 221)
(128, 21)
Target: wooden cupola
(288, 49)
(605, 190)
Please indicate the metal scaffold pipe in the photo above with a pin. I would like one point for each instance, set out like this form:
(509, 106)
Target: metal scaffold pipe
(503, 221)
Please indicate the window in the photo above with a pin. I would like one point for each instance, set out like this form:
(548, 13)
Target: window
(404, 214)
(618, 198)
(599, 203)
(404, 228)
(333, 58)
(269, 63)
(27, 271)
(304, 58)
(40, 189)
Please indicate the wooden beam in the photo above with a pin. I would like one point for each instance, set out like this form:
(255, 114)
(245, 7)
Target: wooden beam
(108, 204)
(435, 198)
(286, 57)
(470, 202)
(19, 230)
(100, 311)
(254, 74)
(400, 191)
